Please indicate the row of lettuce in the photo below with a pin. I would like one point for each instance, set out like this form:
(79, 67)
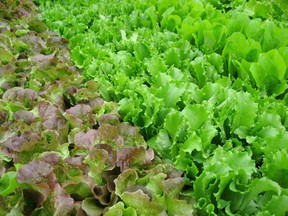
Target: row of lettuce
(206, 81)
(63, 149)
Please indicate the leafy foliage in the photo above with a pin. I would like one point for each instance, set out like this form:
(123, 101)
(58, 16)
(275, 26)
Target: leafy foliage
(206, 82)
(63, 149)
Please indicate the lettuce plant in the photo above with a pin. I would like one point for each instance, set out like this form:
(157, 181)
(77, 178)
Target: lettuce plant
(63, 149)
(206, 82)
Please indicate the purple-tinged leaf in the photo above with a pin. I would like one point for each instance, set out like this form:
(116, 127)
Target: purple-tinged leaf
(24, 116)
(101, 158)
(96, 103)
(15, 143)
(173, 186)
(108, 133)
(34, 172)
(80, 115)
(42, 58)
(3, 116)
(60, 203)
(52, 118)
(74, 161)
(128, 157)
(108, 119)
(51, 158)
(20, 96)
(86, 140)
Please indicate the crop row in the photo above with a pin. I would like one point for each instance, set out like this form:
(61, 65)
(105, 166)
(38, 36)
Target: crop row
(63, 149)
